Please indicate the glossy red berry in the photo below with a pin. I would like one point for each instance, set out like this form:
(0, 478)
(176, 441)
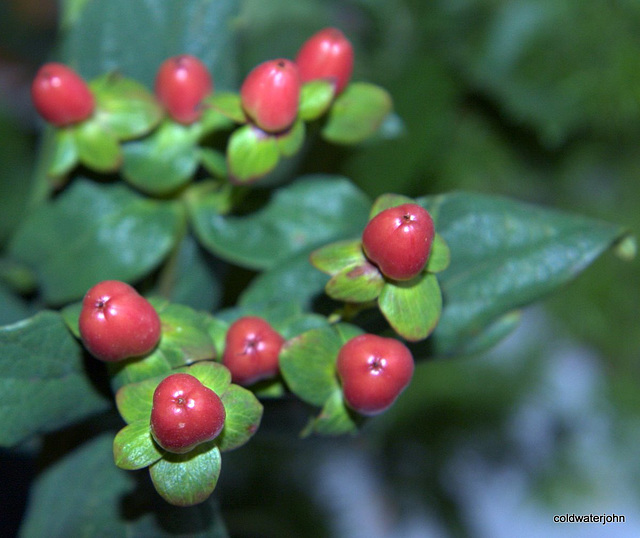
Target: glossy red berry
(398, 240)
(61, 96)
(328, 54)
(252, 350)
(116, 322)
(270, 95)
(373, 371)
(185, 413)
(182, 82)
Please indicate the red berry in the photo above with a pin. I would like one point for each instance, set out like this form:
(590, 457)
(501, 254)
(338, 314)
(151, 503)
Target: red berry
(185, 413)
(251, 351)
(182, 82)
(117, 323)
(61, 96)
(271, 94)
(398, 240)
(326, 54)
(374, 371)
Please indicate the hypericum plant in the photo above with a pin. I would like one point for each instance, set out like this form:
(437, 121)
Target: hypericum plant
(168, 204)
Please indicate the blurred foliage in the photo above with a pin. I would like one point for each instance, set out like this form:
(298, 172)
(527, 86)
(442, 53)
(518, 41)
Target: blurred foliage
(536, 99)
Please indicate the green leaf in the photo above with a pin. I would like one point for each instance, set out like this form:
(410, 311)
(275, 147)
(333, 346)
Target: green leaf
(163, 161)
(187, 479)
(356, 283)
(290, 142)
(316, 97)
(42, 379)
(136, 37)
(295, 278)
(311, 211)
(440, 255)
(98, 149)
(99, 499)
(412, 307)
(307, 363)
(134, 447)
(214, 162)
(244, 413)
(251, 154)
(95, 232)
(356, 114)
(124, 106)
(65, 154)
(506, 254)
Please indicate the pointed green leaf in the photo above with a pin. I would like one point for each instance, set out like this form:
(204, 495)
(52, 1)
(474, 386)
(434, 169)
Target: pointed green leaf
(333, 258)
(244, 413)
(251, 154)
(440, 255)
(357, 113)
(134, 447)
(163, 161)
(316, 97)
(506, 254)
(309, 212)
(94, 232)
(187, 479)
(307, 363)
(98, 148)
(124, 106)
(42, 379)
(356, 284)
(412, 307)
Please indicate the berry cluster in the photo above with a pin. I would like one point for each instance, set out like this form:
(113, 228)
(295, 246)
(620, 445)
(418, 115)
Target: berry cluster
(188, 382)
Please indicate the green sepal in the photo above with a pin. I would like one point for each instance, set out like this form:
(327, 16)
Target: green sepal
(98, 148)
(64, 156)
(290, 142)
(412, 307)
(243, 416)
(440, 255)
(316, 97)
(228, 104)
(164, 161)
(211, 374)
(251, 154)
(134, 447)
(334, 419)
(213, 162)
(307, 363)
(356, 114)
(360, 283)
(333, 258)
(387, 201)
(187, 479)
(124, 106)
(134, 400)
